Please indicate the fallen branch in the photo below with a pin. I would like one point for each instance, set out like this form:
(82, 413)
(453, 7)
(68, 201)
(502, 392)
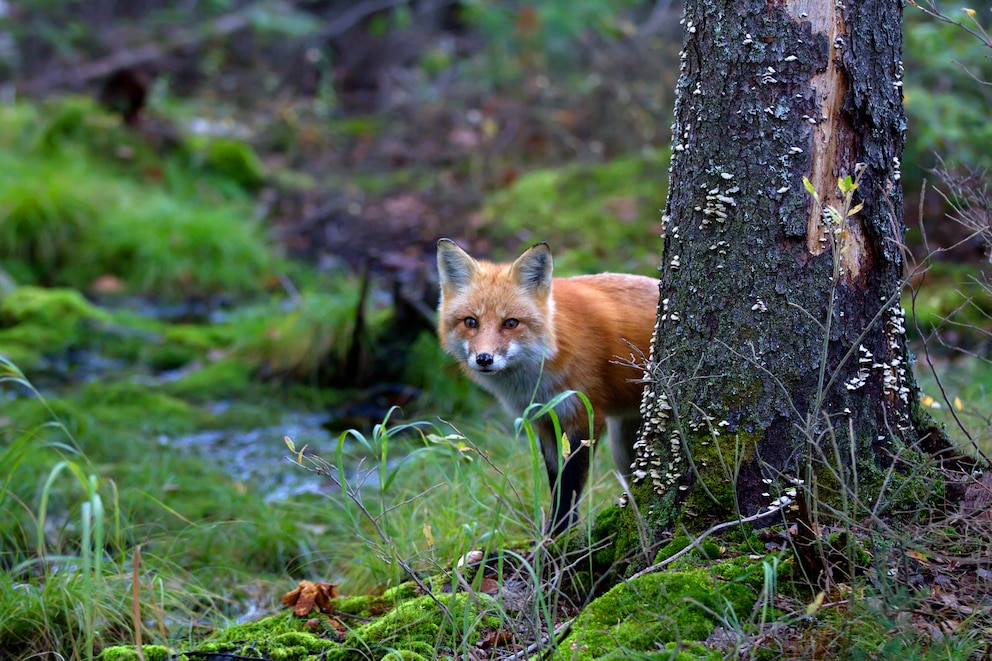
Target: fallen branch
(190, 38)
(699, 540)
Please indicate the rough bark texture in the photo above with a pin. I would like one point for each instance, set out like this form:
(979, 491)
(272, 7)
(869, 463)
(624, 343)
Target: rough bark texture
(738, 406)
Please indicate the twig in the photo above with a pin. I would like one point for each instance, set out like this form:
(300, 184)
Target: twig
(83, 73)
(699, 540)
(136, 603)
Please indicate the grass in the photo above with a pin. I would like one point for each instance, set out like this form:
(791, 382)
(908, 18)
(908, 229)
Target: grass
(94, 501)
(86, 471)
(205, 538)
(82, 198)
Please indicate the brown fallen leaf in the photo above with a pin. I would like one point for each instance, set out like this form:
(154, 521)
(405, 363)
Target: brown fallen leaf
(489, 586)
(496, 638)
(308, 594)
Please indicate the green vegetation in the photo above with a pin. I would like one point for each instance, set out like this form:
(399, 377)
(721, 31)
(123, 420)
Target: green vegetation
(82, 198)
(123, 459)
(602, 216)
(947, 109)
(627, 619)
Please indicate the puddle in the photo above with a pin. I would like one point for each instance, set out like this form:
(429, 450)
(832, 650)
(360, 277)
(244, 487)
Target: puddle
(259, 456)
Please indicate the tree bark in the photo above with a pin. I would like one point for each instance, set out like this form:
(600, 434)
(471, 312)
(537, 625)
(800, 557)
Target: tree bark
(780, 356)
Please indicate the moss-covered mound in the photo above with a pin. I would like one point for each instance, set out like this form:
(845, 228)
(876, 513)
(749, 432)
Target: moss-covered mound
(665, 607)
(412, 627)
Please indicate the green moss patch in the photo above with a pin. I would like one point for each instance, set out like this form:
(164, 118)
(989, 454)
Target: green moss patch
(607, 214)
(130, 653)
(660, 608)
(35, 321)
(419, 625)
(284, 637)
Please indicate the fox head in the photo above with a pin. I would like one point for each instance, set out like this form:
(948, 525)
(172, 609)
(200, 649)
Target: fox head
(493, 317)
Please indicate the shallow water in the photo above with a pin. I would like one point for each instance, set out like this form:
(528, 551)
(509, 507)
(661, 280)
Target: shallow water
(259, 457)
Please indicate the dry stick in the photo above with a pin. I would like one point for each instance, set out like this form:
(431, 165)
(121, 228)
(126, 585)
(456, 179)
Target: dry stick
(699, 540)
(189, 39)
(136, 603)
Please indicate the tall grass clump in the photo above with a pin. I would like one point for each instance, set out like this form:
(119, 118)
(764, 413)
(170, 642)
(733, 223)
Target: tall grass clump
(87, 198)
(325, 335)
(52, 591)
(72, 579)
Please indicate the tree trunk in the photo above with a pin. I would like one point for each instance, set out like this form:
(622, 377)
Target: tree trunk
(780, 353)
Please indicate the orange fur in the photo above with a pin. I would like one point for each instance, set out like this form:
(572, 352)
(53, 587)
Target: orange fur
(525, 337)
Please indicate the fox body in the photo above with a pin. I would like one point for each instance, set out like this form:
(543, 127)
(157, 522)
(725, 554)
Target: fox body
(526, 337)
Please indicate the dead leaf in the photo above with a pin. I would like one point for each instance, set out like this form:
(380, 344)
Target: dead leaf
(308, 594)
(108, 284)
(489, 586)
(494, 638)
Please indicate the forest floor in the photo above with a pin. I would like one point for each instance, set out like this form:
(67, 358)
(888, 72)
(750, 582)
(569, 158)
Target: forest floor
(147, 399)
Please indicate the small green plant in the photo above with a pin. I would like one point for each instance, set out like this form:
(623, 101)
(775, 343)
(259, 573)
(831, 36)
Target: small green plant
(71, 564)
(236, 161)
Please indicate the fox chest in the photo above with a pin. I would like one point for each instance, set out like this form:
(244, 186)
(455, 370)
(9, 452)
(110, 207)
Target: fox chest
(516, 389)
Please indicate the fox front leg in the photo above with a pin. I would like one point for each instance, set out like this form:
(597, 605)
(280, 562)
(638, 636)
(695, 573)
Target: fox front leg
(566, 485)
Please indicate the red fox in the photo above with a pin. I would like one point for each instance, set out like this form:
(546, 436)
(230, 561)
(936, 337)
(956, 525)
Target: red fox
(526, 337)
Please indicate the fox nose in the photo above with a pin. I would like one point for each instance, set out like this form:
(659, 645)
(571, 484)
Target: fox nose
(484, 360)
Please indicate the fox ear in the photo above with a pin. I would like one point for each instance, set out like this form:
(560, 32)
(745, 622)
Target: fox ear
(455, 267)
(533, 269)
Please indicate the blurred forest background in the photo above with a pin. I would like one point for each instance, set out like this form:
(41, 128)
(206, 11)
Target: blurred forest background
(217, 228)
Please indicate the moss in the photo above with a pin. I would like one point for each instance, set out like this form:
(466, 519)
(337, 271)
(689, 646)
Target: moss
(363, 605)
(35, 321)
(671, 548)
(236, 161)
(663, 607)
(715, 460)
(405, 655)
(281, 637)
(420, 625)
(743, 569)
(130, 653)
(602, 210)
(674, 651)
(402, 592)
(47, 307)
(617, 525)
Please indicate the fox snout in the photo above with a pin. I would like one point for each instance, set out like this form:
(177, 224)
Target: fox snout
(486, 362)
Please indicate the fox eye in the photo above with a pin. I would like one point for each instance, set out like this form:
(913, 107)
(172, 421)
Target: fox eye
(470, 322)
(511, 323)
